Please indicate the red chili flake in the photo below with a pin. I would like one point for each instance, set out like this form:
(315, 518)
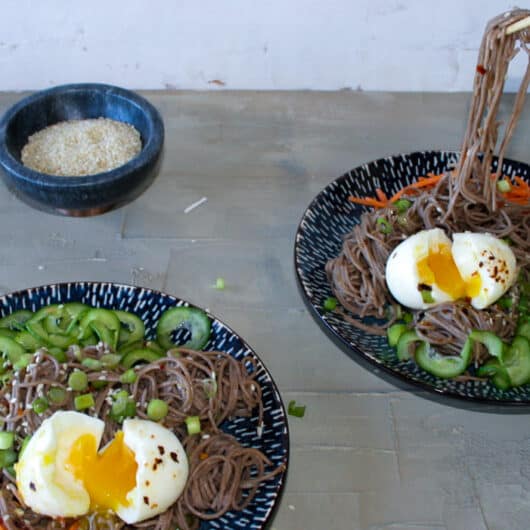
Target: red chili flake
(203, 456)
(480, 69)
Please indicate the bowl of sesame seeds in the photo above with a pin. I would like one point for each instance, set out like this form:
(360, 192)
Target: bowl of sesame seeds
(80, 149)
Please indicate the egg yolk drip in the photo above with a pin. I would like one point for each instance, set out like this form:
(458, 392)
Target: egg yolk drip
(439, 268)
(107, 476)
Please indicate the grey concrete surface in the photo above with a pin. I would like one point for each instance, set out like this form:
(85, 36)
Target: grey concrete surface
(367, 456)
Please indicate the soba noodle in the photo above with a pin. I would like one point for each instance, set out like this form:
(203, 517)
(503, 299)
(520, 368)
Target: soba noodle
(465, 200)
(224, 475)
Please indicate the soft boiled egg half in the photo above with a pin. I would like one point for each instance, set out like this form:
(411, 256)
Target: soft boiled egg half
(427, 269)
(138, 475)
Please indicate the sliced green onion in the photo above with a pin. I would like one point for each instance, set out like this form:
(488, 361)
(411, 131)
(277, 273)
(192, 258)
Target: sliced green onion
(295, 410)
(330, 303)
(78, 381)
(157, 410)
(122, 394)
(84, 401)
(40, 405)
(58, 354)
(98, 384)
(23, 361)
(77, 352)
(110, 360)
(6, 440)
(193, 423)
(7, 458)
(504, 186)
(402, 220)
(384, 226)
(119, 407)
(210, 387)
(505, 302)
(92, 364)
(130, 409)
(508, 241)
(128, 377)
(426, 296)
(57, 395)
(220, 284)
(402, 205)
(407, 318)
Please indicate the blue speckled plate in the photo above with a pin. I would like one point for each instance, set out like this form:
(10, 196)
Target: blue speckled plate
(319, 237)
(149, 305)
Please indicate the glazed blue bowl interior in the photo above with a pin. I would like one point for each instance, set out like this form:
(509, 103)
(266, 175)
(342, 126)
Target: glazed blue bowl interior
(331, 216)
(87, 194)
(149, 305)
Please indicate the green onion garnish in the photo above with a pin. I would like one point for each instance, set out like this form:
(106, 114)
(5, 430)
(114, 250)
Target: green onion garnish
(128, 377)
(504, 186)
(157, 410)
(23, 361)
(119, 407)
(6, 440)
(330, 303)
(110, 360)
(130, 409)
(39, 405)
(92, 364)
(383, 225)
(426, 296)
(84, 401)
(505, 302)
(220, 284)
(407, 318)
(57, 395)
(402, 205)
(98, 384)
(193, 423)
(210, 387)
(78, 381)
(295, 410)
(7, 458)
(121, 394)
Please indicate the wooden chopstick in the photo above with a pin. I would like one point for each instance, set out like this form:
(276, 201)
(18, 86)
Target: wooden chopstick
(518, 26)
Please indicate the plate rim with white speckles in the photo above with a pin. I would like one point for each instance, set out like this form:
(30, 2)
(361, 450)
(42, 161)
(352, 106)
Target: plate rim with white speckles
(328, 209)
(260, 512)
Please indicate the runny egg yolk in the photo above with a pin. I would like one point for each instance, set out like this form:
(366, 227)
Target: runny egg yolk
(107, 476)
(439, 268)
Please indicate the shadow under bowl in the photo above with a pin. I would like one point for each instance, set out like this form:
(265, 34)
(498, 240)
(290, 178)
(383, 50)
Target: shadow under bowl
(80, 195)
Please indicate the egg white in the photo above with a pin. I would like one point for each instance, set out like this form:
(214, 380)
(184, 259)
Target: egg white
(401, 272)
(490, 258)
(162, 470)
(43, 479)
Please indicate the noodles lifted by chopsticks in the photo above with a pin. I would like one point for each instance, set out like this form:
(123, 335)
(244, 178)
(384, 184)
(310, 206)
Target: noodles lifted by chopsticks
(464, 200)
(223, 476)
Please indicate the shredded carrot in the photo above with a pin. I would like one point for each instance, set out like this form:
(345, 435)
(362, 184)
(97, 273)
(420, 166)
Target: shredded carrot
(2, 526)
(518, 194)
(75, 526)
(368, 201)
(423, 182)
(381, 195)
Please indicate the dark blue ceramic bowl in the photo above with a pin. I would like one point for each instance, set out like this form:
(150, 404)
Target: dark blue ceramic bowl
(319, 238)
(273, 440)
(88, 195)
